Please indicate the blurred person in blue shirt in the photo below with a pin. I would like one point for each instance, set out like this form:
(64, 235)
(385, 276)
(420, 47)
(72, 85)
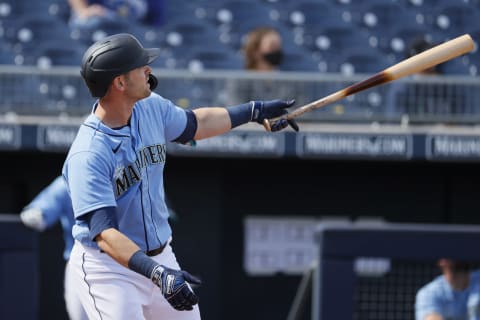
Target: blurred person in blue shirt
(89, 15)
(453, 295)
(51, 205)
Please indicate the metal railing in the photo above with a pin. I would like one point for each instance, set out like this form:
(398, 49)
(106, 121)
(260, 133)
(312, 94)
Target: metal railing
(435, 99)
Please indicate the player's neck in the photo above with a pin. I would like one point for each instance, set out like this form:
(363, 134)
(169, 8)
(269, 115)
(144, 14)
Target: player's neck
(114, 113)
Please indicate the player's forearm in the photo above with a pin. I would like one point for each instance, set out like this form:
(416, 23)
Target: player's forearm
(117, 245)
(211, 122)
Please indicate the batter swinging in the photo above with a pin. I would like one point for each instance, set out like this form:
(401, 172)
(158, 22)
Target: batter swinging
(122, 261)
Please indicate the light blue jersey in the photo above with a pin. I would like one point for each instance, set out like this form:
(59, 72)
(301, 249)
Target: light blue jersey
(123, 168)
(55, 204)
(438, 296)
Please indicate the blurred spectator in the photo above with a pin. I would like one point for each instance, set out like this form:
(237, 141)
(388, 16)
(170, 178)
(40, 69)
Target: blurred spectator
(417, 46)
(90, 15)
(262, 51)
(424, 100)
(453, 295)
(156, 13)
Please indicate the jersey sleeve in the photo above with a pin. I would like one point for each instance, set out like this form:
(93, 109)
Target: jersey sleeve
(426, 303)
(174, 118)
(89, 180)
(53, 201)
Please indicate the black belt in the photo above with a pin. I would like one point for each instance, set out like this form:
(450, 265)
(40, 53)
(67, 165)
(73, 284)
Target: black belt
(157, 251)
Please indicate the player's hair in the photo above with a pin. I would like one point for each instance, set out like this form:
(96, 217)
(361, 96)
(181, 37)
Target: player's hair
(252, 44)
(418, 45)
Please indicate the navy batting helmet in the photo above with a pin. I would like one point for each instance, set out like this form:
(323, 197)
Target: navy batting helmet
(111, 57)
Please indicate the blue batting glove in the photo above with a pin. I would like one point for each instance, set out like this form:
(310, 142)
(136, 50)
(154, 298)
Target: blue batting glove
(271, 109)
(174, 287)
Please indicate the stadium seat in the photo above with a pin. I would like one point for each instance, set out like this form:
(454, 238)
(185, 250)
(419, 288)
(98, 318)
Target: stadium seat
(29, 33)
(35, 27)
(355, 10)
(55, 9)
(308, 12)
(458, 66)
(378, 19)
(299, 60)
(401, 37)
(236, 18)
(214, 58)
(183, 37)
(6, 56)
(362, 60)
(190, 32)
(105, 28)
(334, 39)
(239, 11)
(180, 9)
(9, 10)
(454, 19)
(147, 35)
(52, 53)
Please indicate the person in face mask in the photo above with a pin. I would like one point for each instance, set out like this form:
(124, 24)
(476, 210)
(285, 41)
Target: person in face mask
(262, 52)
(263, 49)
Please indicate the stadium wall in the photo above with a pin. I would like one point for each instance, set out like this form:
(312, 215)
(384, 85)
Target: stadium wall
(212, 196)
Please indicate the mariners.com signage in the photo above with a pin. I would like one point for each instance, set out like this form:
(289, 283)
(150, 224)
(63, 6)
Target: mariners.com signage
(355, 145)
(311, 145)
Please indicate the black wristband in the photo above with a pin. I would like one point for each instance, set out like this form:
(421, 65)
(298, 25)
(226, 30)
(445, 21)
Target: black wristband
(141, 263)
(240, 114)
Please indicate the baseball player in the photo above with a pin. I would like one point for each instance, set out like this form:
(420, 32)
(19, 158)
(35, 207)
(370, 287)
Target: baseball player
(123, 263)
(453, 295)
(51, 205)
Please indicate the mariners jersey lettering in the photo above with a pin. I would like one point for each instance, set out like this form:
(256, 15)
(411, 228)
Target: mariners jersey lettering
(127, 176)
(115, 168)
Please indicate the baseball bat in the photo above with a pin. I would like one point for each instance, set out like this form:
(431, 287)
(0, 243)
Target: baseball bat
(419, 62)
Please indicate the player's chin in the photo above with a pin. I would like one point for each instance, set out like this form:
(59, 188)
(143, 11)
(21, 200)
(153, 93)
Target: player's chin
(147, 92)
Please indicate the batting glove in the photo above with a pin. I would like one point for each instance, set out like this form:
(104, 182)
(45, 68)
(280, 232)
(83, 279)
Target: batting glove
(262, 110)
(174, 287)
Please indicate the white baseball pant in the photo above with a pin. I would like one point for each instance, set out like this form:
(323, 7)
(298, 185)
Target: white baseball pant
(108, 290)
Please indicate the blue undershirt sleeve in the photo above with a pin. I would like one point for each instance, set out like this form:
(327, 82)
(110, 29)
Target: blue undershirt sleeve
(101, 219)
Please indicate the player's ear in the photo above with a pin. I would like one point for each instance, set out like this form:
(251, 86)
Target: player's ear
(119, 83)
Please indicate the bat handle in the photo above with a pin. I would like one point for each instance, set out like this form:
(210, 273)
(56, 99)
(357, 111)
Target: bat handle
(268, 123)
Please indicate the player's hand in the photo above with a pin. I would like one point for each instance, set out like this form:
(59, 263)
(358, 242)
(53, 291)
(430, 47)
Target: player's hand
(33, 218)
(174, 287)
(271, 109)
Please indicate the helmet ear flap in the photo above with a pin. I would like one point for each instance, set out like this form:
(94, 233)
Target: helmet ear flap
(152, 81)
